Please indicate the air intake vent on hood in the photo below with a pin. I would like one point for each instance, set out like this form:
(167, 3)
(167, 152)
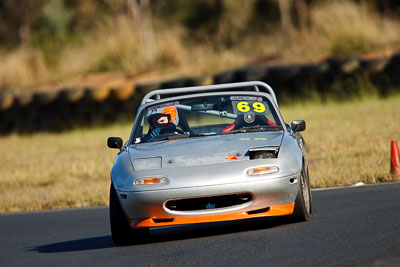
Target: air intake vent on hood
(263, 152)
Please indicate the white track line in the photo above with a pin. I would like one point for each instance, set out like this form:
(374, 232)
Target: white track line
(353, 186)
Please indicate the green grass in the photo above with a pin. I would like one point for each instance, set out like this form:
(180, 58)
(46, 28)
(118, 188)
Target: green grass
(348, 143)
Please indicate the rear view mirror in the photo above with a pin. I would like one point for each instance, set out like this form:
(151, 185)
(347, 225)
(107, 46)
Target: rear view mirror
(298, 125)
(202, 107)
(114, 142)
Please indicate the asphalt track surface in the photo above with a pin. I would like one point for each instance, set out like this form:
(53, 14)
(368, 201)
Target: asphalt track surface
(356, 226)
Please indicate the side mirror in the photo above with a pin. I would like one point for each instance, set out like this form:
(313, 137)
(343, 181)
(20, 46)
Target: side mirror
(298, 125)
(114, 142)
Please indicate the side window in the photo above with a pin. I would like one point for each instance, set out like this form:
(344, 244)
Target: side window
(146, 127)
(139, 133)
(271, 115)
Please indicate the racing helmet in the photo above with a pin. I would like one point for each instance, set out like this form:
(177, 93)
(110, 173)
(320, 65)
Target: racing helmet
(169, 111)
(173, 113)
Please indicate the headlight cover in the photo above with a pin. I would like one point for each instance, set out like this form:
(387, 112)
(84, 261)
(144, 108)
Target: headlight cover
(143, 164)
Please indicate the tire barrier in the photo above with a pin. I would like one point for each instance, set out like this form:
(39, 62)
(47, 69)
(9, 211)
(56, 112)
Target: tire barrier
(333, 78)
(73, 107)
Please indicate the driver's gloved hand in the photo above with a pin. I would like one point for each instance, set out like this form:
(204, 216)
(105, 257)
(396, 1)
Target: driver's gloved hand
(153, 134)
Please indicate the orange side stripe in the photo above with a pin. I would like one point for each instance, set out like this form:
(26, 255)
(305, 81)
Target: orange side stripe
(279, 210)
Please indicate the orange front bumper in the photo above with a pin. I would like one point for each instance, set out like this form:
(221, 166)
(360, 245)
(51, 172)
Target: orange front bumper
(280, 210)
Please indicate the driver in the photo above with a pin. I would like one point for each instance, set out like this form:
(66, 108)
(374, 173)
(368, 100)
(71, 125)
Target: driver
(163, 122)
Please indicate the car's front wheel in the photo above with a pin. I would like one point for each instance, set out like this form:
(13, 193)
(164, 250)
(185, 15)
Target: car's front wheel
(303, 202)
(121, 232)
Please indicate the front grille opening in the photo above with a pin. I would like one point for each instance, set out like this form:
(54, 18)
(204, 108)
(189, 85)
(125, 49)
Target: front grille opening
(162, 220)
(258, 211)
(205, 203)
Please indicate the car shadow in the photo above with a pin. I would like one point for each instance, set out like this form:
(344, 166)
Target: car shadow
(92, 243)
(174, 233)
(167, 234)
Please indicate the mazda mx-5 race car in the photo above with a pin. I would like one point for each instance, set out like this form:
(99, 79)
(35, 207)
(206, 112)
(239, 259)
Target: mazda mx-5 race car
(207, 154)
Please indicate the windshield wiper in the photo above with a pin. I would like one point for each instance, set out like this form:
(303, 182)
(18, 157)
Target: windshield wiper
(203, 134)
(170, 137)
(255, 128)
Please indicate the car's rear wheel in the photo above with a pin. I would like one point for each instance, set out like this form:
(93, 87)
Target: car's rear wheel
(303, 202)
(121, 232)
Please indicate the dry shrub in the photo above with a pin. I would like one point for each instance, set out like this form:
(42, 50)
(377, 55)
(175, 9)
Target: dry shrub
(344, 28)
(122, 44)
(135, 46)
(21, 68)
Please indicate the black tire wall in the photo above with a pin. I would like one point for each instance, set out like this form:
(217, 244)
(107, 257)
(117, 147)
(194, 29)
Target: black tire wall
(62, 110)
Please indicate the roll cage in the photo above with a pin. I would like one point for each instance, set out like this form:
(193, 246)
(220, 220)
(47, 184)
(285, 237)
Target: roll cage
(254, 85)
(252, 88)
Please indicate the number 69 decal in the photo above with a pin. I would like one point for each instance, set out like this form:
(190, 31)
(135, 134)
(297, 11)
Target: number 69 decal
(246, 106)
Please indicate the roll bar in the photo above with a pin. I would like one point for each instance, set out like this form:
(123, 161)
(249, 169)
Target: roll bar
(215, 87)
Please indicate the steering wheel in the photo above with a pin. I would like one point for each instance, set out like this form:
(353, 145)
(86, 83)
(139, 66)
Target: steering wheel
(179, 131)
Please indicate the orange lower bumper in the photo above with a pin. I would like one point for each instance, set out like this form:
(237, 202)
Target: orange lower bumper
(272, 211)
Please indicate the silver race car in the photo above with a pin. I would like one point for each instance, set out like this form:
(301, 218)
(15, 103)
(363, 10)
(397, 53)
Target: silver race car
(207, 154)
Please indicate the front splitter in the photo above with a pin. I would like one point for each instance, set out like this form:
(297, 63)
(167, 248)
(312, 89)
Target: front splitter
(279, 210)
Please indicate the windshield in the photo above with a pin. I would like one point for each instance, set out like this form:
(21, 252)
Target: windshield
(206, 116)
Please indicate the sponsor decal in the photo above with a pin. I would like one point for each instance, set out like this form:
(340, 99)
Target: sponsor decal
(210, 206)
(248, 98)
(155, 108)
(249, 117)
(232, 157)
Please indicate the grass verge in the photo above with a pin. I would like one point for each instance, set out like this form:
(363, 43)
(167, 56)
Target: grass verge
(348, 143)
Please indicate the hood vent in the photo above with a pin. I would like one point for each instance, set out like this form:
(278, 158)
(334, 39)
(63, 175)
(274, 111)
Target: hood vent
(263, 153)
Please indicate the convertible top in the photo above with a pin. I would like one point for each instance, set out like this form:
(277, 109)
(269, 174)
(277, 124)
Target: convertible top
(255, 85)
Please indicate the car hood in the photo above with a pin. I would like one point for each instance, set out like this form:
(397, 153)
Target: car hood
(200, 150)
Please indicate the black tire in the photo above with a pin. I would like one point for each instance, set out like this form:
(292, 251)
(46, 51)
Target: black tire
(121, 232)
(303, 202)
